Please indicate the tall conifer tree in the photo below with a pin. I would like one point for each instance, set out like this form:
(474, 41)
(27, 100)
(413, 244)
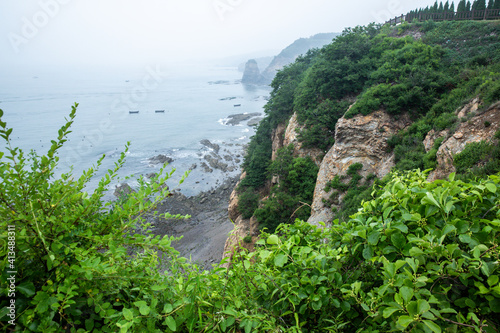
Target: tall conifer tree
(461, 6)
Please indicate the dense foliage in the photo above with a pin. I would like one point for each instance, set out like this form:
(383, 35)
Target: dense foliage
(291, 197)
(428, 76)
(418, 256)
(464, 7)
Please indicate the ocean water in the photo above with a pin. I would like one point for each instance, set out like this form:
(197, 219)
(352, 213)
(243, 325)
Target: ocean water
(196, 100)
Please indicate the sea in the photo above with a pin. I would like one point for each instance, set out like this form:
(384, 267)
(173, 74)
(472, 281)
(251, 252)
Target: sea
(160, 110)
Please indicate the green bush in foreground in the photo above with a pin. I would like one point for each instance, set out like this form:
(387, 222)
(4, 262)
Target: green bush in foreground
(420, 257)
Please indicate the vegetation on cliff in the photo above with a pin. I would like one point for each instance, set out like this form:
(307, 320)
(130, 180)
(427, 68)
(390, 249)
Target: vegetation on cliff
(421, 256)
(424, 69)
(415, 256)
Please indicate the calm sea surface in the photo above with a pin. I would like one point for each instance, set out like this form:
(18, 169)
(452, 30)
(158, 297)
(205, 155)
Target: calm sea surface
(196, 101)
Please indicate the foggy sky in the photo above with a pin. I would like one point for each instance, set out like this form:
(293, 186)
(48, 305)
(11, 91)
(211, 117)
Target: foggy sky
(114, 32)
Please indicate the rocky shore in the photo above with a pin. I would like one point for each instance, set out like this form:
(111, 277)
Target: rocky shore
(205, 232)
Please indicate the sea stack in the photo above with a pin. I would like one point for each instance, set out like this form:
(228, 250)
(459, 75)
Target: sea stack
(252, 73)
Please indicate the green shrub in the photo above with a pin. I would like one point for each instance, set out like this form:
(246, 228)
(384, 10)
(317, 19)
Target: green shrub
(478, 159)
(248, 201)
(74, 270)
(247, 239)
(419, 257)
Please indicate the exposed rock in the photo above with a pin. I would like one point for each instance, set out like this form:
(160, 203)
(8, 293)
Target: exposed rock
(233, 201)
(254, 121)
(215, 162)
(474, 130)
(206, 168)
(234, 242)
(278, 138)
(431, 138)
(252, 73)
(473, 106)
(361, 139)
(236, 119)
(291, 137)
(151, 175)
(160, 159)
(123, 189)
(215, 147)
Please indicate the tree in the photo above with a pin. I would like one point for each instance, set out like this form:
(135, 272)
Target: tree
(461, 6)
(491, 4)
(479, 5)
(435, 7)
(447, 6)
(496, 5)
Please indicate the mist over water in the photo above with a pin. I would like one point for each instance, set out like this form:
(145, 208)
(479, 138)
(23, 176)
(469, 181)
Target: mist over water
(195, 100)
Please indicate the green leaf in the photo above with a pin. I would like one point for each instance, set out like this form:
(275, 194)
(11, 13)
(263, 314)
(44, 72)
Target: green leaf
(415, 251)
(433, 326)
(491, 187)
(451, 177)
(27, 289)
(429, 200)
(143, 307)
(368, 252)
(493, 280)
(170, 322)
(398, 240)
(495, 305)
(405, 321)
(167, 308)
(422, 306)
(280, 260)
(158, 287)
(273, 240)
(128, 314)
(406, 293)
(389, 311)
(373, 237)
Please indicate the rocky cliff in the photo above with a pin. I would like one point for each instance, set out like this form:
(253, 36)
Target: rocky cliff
(477, 125)
(291, 137)
(361, 139)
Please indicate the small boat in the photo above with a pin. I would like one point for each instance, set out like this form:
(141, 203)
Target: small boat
(159, 111)
(133, 112)
(236, 105)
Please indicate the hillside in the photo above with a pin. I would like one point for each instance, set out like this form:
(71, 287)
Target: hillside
(336, 228)
(416, 76)
(289, 54)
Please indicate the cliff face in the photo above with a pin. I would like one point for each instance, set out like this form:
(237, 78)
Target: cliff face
(291, 137)
(481, 127)
(361, 139)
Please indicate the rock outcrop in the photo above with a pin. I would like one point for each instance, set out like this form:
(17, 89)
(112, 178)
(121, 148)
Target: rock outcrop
(481, 127)
(361, 139)
(252, 73)
(291, 137)
(242, 227)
